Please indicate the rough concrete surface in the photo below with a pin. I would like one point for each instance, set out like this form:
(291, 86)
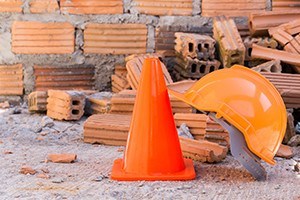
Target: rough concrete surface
(26, 140)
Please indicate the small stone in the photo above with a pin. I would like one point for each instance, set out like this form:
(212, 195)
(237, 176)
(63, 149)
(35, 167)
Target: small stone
(284, 151)
(120, 149)
(277, 187)
(15, 110)
(297, 167)
(8, 152)
(36, 128)
(27, 170)
(45, 170)
(1, 142)
(39, 138)
(57, 180)
(47, 122)
(98, 179)
(44, 176)
(294, 141)
(4, 105)
(203, 192)
(141, 184)
(62, 158)
(44, 133)
(291, 162)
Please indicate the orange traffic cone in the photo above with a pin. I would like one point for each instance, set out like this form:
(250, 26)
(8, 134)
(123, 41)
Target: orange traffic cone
(153, 150)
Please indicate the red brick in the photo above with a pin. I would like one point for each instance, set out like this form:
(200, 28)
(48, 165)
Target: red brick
(37, 101)
(65, 105)
(64, 77)
(11, 79)
(30, 37)
(91, 6)
(286, 5)
(270, 66)
(195, 45)
(43, 6)
(233, 8)
(109, 129)
(115, 38)
(98, 103)
(203, 151)
(230, 45)
(260, 22)
(163, 7)
(11, 6)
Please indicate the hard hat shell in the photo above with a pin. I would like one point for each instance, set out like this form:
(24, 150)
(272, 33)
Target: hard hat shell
(246, 100)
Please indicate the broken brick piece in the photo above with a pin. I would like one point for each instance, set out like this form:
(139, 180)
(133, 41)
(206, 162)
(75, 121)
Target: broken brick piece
(29, 37)
(282, 37)
(290, 128)
(261, 41)
(44, 176)
(270, 66)
(229, 42)
(115, 38)
(62, 158)
(259, 22)
(65, 105)
(37, 101)
(195, 46)
(27, 170)
(75, 77)
(163, 7)
(284, 151)
(11, 79)
(202, 151)
(119, 80)
(109, 129)
(272, 54)
(11, 6)
(134, 69)
(195, 68)
(4, 104)
(211, 8)
(43, 6)
(98, 103)
(91, 6)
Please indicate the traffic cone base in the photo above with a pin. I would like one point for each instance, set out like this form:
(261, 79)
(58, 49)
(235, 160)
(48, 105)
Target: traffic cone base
(119, 174)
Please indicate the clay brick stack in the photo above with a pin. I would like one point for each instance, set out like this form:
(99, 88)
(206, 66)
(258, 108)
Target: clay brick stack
(11, 6)
(195, 56)
(230, 46)
(75, 77)
(65, 105)
(123, 103)
(11, 79)
(37, 101)
(112, 129)
(119, 80)
(43, 6)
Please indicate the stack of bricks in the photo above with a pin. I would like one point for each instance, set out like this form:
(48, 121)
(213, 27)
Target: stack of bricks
(202, 127)
(123, 103)
(195, 56)
(112, 129)
(230, 46)
(37, 101)
(65, 105)
(98, 103)
(119, 80)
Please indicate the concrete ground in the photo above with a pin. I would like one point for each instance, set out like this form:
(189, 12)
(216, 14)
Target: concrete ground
(24, 140)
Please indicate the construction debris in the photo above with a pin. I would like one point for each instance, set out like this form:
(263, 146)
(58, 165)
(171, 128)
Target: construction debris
(270, 66)
(62, 158)
(294, 141)
(119, 80)
(65, 105)
(98, 103)
(4, 105)
(290, 128)
(202, 151)
(230, 46)
(285, 151)
(37, 101)
(27, 170)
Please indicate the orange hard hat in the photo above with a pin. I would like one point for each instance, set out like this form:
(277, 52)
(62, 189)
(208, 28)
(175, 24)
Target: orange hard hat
(246, 100)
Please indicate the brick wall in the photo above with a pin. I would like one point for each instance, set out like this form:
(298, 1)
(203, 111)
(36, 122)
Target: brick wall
(85, 33)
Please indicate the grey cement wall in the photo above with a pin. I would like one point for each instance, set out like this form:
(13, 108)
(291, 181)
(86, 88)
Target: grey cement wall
(104, 64)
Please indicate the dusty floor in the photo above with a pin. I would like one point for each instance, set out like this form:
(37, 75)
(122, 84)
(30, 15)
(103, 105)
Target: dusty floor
(88, 178)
